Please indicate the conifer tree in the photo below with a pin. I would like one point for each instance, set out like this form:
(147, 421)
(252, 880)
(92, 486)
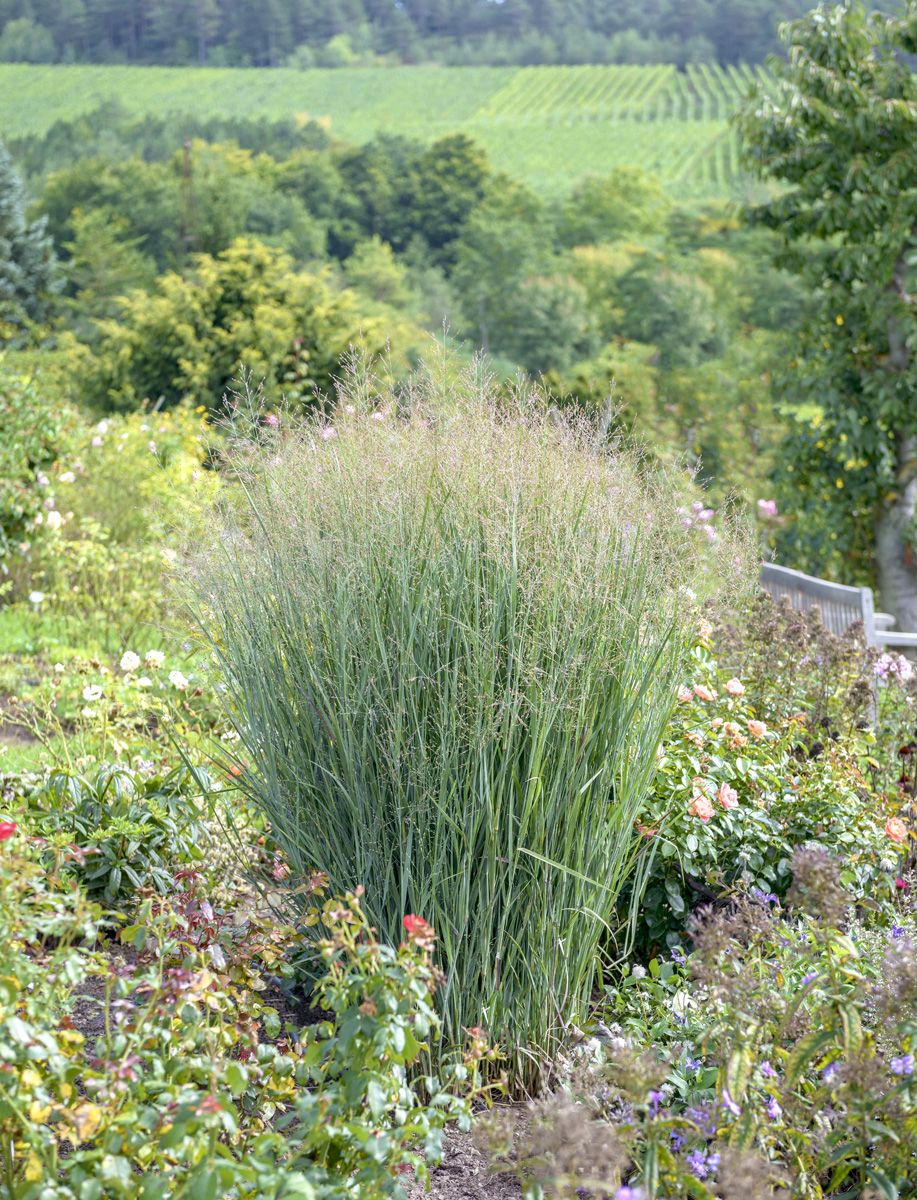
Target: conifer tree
(28, 270)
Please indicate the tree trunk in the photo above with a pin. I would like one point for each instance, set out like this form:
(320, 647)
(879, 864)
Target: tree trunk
(896, 558)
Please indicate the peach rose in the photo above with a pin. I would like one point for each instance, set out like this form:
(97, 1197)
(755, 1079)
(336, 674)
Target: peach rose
(684, 694)
(696, 739)
(757, 729)
(731, 729)
(701, 806)
(728, 796)
(716, 723)
(735, 687)
(896, 829)
(702, 692)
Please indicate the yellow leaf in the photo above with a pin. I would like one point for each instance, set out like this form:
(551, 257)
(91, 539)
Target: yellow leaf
(87, 1118)
(30, 1078)
(33, 1168)
(39, 1112)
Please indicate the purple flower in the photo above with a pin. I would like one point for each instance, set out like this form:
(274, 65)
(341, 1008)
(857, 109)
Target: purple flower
(697, 1161)
(902, 1065)
(704, 1118)
(763, 897)
(678, 956)
(677, 1139)
(767, 1070)
(627, 1193)
(656, 1098)
(829, 1072)
(731, 1104)
(897, 932)
(807, 979)
(702, 1164)
(774, 1111)
(693, 1064)
(767, 508)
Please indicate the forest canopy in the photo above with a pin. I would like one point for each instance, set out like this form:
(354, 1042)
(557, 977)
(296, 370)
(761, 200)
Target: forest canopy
(332, 33)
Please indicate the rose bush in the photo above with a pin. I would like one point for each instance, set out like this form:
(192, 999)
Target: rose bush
(740, 784)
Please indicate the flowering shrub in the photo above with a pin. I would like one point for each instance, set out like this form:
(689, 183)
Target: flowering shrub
(35, 431)
(85, 710)
(792, 663)
(184, 1083)
(782, 1062)
(94, 548)
(738, 787)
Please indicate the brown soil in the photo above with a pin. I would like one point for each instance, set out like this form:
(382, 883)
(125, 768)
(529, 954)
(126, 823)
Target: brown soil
(464, 1175)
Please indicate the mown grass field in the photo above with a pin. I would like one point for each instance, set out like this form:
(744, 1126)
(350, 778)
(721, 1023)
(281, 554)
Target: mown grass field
(547, 125)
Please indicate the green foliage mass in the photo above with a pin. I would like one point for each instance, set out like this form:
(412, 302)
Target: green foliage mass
(27, 267)
(839, 130)
(329, 33)
(245, 307)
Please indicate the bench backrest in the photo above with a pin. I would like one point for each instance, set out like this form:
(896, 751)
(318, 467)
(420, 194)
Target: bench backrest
(841, 606)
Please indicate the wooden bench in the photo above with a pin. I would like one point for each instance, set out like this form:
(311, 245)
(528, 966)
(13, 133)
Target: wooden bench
(841, 606)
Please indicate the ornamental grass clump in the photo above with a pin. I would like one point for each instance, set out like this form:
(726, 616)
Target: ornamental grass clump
(449, 627)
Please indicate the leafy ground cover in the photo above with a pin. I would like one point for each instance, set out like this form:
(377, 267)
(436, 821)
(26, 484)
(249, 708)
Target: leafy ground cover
(592, 118)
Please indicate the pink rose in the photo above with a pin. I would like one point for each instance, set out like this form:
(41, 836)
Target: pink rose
(896, 829)
(757, 729)
(684, 694)
(728, 796)
(702, 692)
(735, 687)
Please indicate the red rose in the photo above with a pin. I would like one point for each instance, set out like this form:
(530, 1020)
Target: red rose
(7, 829)
(419, 931)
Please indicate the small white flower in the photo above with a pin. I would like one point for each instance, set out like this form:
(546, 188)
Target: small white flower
(130, 661)
(328, 433)
(68, 477)
(89, 713)
(144, 682)
(54, 520)
(42, 479)
(102, 427)
(638, 972)
(59, 668)
(96, 441)
(39, 519)
(152, 447)
(92, 692)
(178, 680)
(154, 658)
(36, 598)
(377, 416)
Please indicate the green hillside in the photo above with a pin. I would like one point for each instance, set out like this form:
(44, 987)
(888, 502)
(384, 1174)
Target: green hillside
(546, 125)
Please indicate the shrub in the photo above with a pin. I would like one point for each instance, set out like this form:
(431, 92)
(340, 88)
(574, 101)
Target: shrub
(451, 634)
(98, 541)
(35, 430)
(792, 1072)
(163, 1072)
(741, 783)
(120, 831)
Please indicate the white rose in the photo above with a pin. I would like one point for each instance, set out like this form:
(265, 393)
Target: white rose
(130, 661)
(54, 520)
